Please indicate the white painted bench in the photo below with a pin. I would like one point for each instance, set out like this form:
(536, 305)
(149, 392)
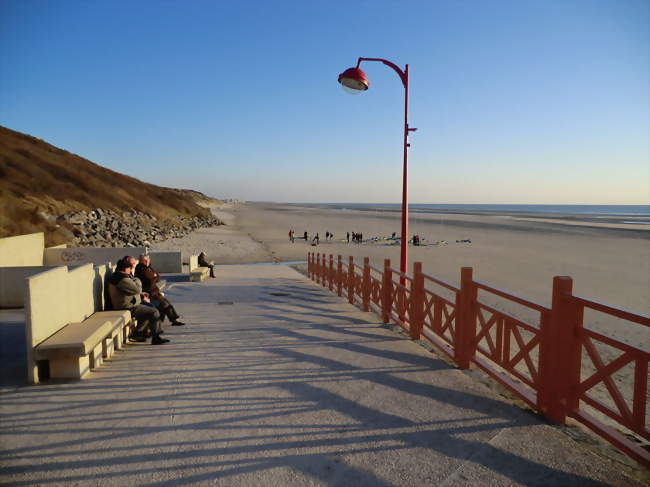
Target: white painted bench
(197, 273)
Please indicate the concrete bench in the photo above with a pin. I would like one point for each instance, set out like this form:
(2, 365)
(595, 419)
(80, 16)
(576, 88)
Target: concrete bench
(197, 273)
(79, 347)
(65, 325)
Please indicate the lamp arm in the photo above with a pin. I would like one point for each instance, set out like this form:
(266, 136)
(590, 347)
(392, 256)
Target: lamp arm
(402, 75)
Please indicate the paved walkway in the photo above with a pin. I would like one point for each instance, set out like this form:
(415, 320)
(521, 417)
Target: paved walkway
(277, 382)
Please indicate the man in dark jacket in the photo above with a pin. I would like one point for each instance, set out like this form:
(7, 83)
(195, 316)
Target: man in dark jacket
(204, 263)
(126, 293)
(149, 278)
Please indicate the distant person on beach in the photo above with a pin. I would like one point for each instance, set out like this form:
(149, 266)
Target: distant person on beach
(306, 236)
(126, 293)
(327, 236)
(393, 235)
(149, 278)
(347, 236)
(291, 235)
(315, 240)
(205, 263)
(331, 236)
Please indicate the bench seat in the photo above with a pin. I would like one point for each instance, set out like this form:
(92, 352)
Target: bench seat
(79, 347)
(199, 273)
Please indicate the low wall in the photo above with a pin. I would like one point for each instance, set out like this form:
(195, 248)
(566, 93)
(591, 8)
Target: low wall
(89, 255)
(194, 262)
(12, 284)
(22, 250)
(166, 261)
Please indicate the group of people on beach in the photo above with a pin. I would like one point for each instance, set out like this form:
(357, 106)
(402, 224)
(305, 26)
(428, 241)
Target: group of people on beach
(134, 287)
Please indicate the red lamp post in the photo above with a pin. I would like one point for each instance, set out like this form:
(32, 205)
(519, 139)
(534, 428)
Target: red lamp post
(354, 81)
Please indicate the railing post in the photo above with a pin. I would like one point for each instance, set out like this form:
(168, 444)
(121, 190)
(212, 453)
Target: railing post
(465, 320)
(560, 354)
(386, 292)
(324, 271)
(351, 280)
(339, 277)
(331, 273)
(309, 264)
(317, 268)
(416, 311)
(365, 288)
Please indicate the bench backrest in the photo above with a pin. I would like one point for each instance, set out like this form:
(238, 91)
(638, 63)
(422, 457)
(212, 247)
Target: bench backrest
(22, 250)
(12, 284)
(166, 261)
(194, 262)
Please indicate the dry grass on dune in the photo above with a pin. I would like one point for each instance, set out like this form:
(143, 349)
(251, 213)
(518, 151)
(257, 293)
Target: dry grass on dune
(37, 179)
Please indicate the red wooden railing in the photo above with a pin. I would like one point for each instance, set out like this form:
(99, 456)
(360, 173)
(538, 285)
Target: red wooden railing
(542, 359)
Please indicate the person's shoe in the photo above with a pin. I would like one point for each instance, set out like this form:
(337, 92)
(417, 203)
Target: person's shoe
(137, 338)
(159, 341)
(178, 323)
(161, 332)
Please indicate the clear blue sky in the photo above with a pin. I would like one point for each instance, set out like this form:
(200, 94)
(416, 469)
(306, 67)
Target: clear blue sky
(515, 101)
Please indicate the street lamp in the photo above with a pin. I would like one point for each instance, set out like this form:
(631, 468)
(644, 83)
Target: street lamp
(355, 81)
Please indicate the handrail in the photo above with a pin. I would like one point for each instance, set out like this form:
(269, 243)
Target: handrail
(641, 319)
(401, 274)
(440, 282)
(505, 294)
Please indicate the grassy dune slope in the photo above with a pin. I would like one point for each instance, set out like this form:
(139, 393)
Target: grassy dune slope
(39, 181)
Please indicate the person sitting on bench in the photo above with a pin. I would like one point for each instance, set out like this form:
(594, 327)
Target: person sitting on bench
(205, 263)
(149, 278)
(126, 293)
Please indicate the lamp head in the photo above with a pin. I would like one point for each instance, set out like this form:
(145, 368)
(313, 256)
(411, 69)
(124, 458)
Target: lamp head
(353, 81)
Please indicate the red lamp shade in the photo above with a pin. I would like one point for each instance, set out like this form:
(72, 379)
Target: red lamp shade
(353, 80)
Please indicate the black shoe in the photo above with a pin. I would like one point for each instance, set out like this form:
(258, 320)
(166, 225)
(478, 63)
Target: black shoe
(159, 341)
(161, 332)
(137, 338)
(178, 323)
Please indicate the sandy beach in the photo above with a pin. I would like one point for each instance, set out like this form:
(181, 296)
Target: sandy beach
(519, 254)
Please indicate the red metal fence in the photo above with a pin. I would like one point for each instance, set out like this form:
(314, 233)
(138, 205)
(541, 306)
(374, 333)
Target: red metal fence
(550, 360)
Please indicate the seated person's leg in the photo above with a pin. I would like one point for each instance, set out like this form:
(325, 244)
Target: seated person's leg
(167, 310)
(150, 318)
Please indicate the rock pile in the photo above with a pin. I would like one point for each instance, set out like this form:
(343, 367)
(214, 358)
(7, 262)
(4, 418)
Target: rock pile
(106, 228)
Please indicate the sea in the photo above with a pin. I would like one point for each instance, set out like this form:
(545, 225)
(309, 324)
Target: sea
(639, 214)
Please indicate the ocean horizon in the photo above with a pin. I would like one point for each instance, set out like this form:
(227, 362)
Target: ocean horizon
(636, 211)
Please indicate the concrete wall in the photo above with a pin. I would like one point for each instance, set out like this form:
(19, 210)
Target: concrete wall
(166, 261)
(194, 262)
(89, 255)
(12, 284)
(22, 250)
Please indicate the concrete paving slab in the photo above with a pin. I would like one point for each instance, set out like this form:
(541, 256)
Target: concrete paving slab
(276, 381)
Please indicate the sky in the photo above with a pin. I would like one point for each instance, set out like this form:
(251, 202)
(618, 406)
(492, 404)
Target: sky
(515, 101)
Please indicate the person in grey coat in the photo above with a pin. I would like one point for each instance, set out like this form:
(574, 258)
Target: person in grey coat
(126, 293)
